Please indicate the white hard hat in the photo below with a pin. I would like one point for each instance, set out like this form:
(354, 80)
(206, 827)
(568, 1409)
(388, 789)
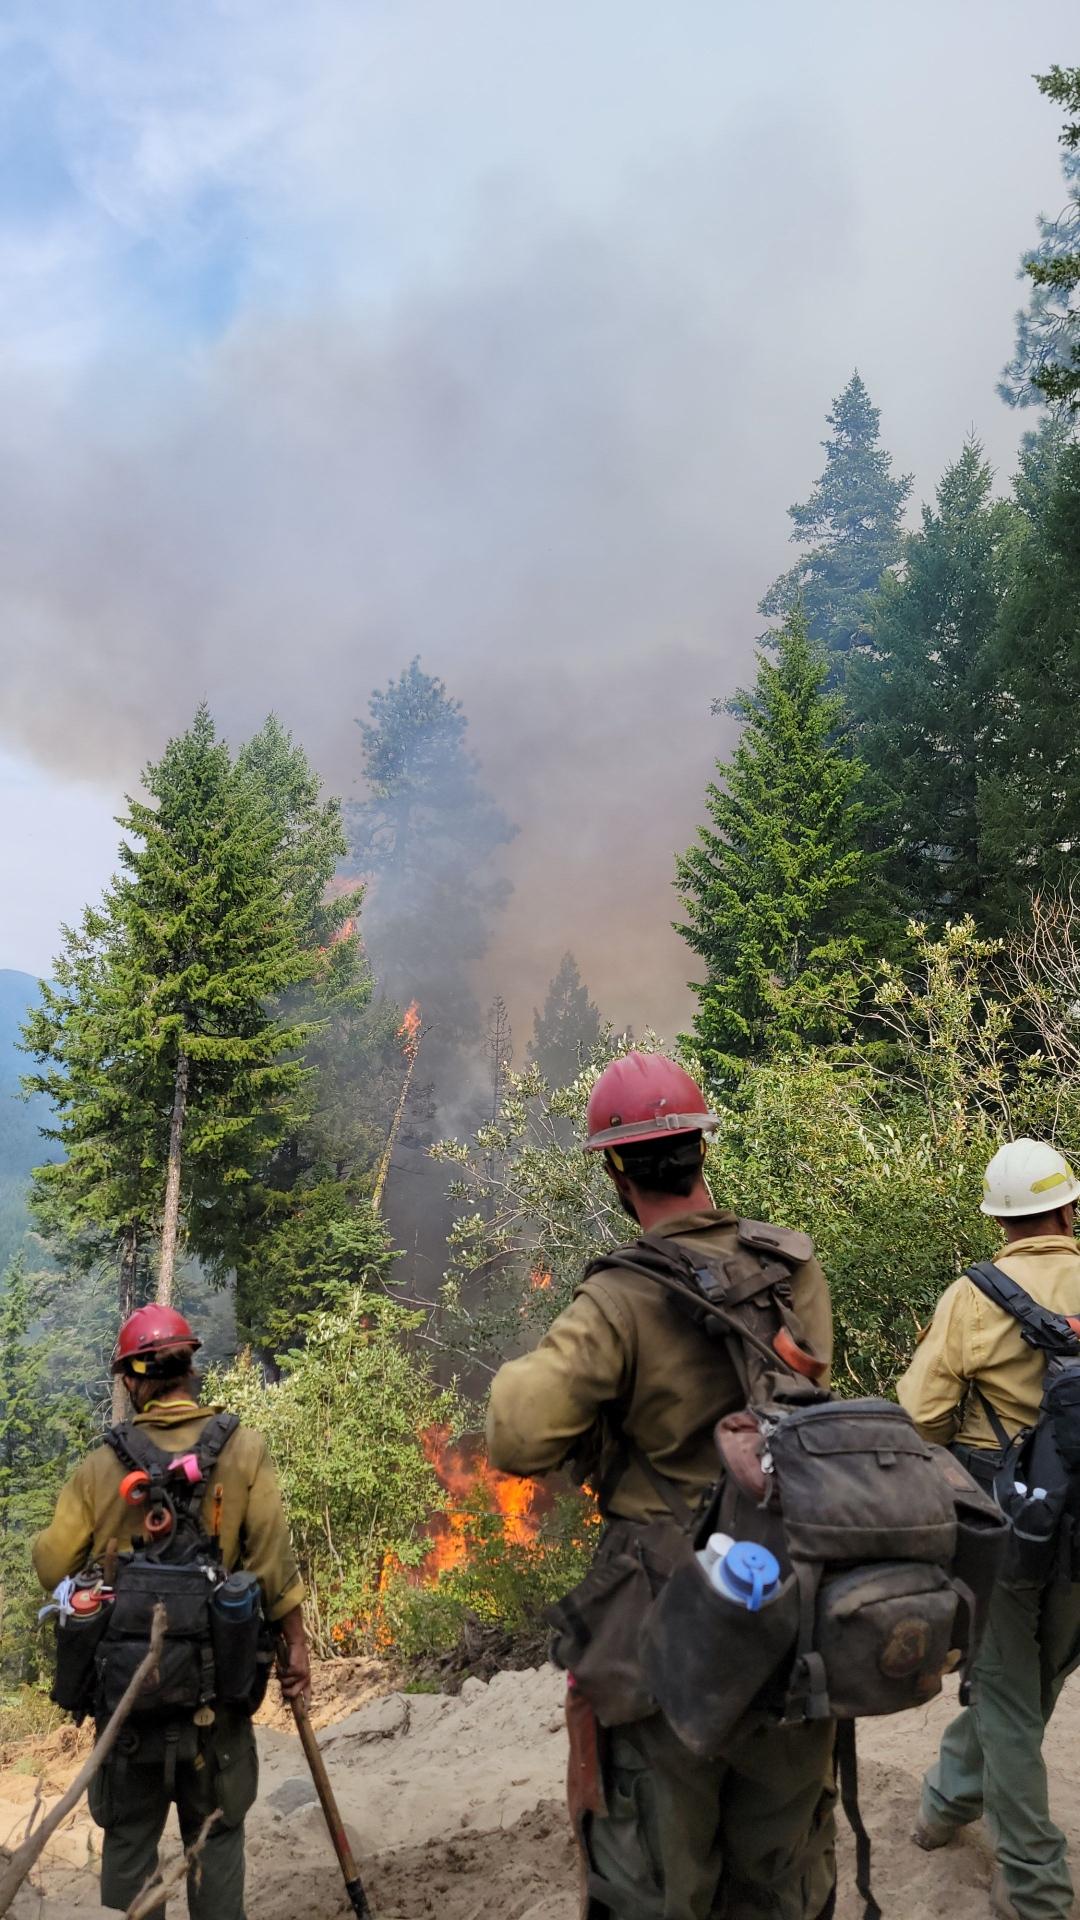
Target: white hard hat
(1027, 1176)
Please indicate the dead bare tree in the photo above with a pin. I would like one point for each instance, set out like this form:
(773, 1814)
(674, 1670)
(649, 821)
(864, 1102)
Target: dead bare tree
(24, 1858)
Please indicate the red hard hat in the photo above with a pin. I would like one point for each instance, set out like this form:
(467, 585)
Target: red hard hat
(644, 1096)
(150, 1330)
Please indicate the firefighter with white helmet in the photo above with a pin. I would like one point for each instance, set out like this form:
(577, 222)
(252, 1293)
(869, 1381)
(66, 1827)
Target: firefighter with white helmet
(974, 1384)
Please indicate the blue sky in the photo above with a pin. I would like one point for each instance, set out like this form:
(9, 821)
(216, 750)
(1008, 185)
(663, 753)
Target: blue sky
(502, 334)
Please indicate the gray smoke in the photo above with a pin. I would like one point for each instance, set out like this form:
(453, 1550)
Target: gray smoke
(560, 477)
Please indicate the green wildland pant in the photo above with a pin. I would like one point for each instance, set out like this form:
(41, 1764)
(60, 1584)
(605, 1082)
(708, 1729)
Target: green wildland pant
(991, 1758)
(746, 1837)
(214, 1770)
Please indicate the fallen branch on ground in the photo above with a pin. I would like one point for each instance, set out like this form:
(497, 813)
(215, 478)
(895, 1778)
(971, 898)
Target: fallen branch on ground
(24, 1858)
(153, 1897)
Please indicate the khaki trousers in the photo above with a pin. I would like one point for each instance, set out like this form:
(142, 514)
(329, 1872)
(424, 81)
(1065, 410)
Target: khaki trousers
(667, 1836)
(991, 1759)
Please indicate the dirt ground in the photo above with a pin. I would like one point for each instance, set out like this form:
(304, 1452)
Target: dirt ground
(455, 1808)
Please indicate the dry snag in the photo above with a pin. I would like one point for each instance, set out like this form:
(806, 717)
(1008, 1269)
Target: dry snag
(25, 1857)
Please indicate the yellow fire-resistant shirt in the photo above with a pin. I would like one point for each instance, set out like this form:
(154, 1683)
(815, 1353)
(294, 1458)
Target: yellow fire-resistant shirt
(621, 1345)
(254, 1532)
(971, 1342)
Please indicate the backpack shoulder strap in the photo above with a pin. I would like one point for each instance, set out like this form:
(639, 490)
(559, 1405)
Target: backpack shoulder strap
(213, 1438)
(134, 1448)
(1040, 1327)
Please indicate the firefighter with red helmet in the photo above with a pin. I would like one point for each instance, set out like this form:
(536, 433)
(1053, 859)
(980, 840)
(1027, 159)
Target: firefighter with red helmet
(631, 1392)
(204, 1760)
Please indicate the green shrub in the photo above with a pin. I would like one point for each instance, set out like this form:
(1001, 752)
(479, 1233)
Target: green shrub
(500, 1582)
(345, 1427)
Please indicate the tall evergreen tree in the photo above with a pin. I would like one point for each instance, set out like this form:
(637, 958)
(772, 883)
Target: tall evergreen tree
(852, 522)
(566, 1029)
(303, 1225)
(921, 699)
(426, 832)
(1031, 797)
(170, 1075)
(1045, 366)
(782, 900)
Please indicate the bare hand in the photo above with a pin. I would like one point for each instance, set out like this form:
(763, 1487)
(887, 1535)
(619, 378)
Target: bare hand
(294, 1660)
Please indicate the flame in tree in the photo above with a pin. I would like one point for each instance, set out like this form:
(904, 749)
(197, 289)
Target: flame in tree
(409, 1030)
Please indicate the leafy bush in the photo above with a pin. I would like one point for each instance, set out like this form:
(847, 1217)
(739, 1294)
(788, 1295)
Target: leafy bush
(344, 1426)
(876, 1150)
(500, 1582)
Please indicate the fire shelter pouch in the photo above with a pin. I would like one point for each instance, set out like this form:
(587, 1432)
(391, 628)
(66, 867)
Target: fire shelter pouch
(597, 1626)
(707, 1660)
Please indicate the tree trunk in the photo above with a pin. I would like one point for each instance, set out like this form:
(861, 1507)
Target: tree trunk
(171, 1221)
(129, 1262)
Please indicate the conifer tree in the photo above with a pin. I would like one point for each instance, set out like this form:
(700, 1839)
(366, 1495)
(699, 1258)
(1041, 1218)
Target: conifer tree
(426, 832)
(303, 1225)
(1045, 367)
(853, 520)
(1031, 796)
(782, 900)
(567, 1029)
(922, 696)
(161, 1024)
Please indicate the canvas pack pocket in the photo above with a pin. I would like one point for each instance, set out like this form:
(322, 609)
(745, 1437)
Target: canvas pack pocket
(707, 1659)
(886, 1635)
(597, 1626)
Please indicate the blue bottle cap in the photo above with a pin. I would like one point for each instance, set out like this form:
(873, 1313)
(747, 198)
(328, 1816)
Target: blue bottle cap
(752, 1572)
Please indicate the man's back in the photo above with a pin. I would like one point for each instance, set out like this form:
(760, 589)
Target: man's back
(970, 1340)
(621, 1345)
(90, 1511)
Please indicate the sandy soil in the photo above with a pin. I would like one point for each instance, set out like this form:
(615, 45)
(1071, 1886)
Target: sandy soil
(454, 1805)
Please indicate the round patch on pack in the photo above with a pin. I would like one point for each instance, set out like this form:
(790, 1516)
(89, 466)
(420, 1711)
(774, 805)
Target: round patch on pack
(905, 1650)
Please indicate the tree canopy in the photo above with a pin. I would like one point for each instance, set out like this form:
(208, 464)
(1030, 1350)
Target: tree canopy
(851, 524)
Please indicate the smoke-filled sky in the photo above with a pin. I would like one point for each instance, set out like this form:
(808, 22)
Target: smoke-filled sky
(501, 334)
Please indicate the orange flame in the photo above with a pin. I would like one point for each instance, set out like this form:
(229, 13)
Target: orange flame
(540, 1280)
(461, 1470)
(409, 1030)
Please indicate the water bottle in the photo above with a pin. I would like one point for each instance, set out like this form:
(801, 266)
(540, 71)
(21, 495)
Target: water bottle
(740, 1570)
(237, 1598)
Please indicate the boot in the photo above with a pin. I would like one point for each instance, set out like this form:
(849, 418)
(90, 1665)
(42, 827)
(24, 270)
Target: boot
(932, 1832)
(1000, 1904)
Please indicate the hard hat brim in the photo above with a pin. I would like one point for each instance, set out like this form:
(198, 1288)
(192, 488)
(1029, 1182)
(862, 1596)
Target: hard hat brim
(660, 1127)
(1026, 1211)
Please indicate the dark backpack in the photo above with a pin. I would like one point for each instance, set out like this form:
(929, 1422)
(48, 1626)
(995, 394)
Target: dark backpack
(217, 1649)
(888, 1549)
(1037, 1479)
